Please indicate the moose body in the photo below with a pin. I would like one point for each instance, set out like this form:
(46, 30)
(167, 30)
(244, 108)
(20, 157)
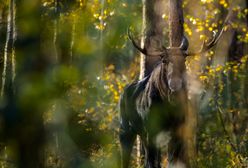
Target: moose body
(149, 107)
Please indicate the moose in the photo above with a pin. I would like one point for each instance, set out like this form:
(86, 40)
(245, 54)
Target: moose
(157, 104)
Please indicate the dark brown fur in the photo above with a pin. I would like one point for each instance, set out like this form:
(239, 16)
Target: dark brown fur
(146, 110)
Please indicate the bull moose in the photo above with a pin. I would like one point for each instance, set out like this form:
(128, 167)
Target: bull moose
(157, 104)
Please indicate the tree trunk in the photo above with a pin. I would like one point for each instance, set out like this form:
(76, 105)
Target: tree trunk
(153, 36)
(155, 28)
(63, 42)
(65, 32)
(175, 23)
(9, 54)
(64, 38)
(142, 56)
(246, 4)
(55, 29)
(31, 93)
(8, 74)
(7, 88)
(143, 63)
(176, 33)
(3, 34)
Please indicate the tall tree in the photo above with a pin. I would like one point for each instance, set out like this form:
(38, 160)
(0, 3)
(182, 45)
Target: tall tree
(153, 37)
(9, 53)
(32, 93)
(8, 73)
(64, 34)
(3, 27)
(155, 28)
(64, 30)
(176, 36)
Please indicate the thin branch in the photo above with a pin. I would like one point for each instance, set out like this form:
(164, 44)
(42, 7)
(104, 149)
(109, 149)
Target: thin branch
(220, 112)
(130, 36)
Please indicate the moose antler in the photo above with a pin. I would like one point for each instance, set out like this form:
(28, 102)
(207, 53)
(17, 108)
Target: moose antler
(216, 36)
(130, 36)
(185, 44)
(154, 52)
(207, 46)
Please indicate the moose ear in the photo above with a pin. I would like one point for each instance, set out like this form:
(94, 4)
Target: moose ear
(184, 44)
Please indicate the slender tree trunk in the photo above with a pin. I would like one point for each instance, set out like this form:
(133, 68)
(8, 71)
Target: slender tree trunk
(246, 7)
(9, 53)
(55, 33)
(65, 33)
(73, 34)
(64, 39)
(3, 27)
(176, 33)
(143, 63)
(142, 42)
(8, 74)
(3, 34)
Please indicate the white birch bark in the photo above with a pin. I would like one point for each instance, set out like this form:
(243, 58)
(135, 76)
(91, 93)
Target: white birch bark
(8, 74)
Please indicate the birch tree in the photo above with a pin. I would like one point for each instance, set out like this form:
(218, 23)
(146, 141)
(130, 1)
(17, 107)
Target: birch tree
(8, 73)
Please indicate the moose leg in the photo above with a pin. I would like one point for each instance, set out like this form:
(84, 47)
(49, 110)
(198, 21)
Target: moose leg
(153, 155)
(176, 153)
(153, 160)
(127, 140)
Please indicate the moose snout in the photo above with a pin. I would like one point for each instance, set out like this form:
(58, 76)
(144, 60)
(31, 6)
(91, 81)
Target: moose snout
(175, 84)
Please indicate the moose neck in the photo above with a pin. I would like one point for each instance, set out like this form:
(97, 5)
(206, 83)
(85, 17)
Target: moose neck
(175, 22)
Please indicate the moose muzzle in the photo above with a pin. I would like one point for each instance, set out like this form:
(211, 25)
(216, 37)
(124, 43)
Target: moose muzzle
(175, 84)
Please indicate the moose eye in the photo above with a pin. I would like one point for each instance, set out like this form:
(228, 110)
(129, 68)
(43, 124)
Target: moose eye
(164, 61)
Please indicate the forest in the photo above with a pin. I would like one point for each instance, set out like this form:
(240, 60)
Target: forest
(67, 65)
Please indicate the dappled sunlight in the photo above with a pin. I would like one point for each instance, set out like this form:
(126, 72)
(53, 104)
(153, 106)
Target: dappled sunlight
(66, 66)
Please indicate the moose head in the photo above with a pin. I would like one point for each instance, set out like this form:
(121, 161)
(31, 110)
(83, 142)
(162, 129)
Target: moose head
(174, 58)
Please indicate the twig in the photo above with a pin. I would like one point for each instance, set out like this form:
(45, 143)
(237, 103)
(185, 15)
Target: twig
(220, 112)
